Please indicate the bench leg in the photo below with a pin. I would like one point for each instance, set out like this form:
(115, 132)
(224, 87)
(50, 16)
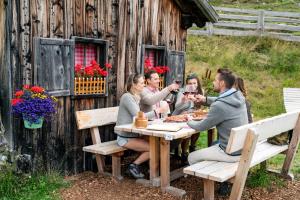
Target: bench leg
(100, 163)
(116, 166)
(209, 189)
(292, 150)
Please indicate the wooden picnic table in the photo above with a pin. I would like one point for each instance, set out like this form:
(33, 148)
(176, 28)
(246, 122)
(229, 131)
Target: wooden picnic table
(160, 152)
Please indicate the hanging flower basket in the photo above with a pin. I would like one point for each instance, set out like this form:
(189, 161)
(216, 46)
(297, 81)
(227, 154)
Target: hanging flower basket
(33, 105)
(34, 125)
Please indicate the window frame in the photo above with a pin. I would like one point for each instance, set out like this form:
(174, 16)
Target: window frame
(101, 59)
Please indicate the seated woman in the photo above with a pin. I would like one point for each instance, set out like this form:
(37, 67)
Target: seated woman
(185, 104)
(129, 107)
(239, 85)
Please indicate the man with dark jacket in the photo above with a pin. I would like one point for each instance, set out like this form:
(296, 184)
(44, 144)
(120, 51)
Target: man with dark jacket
(227, 111)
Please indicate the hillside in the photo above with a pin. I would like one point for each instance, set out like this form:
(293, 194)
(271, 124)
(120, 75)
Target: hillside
(275, 5)
(267, 65)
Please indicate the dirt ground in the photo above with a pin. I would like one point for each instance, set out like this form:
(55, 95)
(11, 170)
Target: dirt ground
(92, 186)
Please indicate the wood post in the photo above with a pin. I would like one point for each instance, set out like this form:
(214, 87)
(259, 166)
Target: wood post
(210, 136)
(154, 157)
(165, 163)
(244, 164)
(292, 149)
(97, 140)
(116, 165)
(209, 189)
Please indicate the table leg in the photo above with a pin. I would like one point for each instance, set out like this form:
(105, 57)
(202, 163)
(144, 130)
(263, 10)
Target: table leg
(154, 157)
(164, 163)
(210, 136)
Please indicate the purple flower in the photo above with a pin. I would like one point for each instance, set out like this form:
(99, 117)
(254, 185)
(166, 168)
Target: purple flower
(34, 106)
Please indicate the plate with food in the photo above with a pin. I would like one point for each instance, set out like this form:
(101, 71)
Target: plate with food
(177, 118)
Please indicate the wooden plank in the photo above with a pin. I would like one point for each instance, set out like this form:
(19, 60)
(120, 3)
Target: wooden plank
(164, 163)
(121, 48)
(90, 18)
(79, 21)
(293, 147)
(209, 189)
(269, 26)
(282, 14)
(236, 10)
(198, 166)
(25, 41)
(238, 17)
(244, 164)
(282, 19)
(96, 117)
(56, 19)
(154, 157)
(68, 18)
(236, 25)
(291, 98)
(204, 172)
(264, 128)
(116, 166)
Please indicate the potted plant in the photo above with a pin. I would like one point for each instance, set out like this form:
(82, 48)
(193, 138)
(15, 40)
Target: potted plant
(34, 105)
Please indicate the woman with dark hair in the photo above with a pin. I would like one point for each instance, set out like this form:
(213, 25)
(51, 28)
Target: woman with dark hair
(239, 85)
(184, 104)
(128, 108)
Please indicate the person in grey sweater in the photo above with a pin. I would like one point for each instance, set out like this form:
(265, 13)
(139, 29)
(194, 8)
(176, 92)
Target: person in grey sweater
(128, 108)
(151, 96)
(227, 111)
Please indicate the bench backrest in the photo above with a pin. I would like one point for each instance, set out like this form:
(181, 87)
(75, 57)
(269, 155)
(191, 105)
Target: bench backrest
(264, 128)
(291, 97)
(96, 117)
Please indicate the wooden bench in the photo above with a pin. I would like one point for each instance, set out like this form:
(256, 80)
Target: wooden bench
(92, 119)
(252, 139)
(291, 97)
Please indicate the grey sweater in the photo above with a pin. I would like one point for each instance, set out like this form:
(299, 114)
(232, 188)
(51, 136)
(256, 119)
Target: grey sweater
(128, 108)
(148, 98)
(225, 113)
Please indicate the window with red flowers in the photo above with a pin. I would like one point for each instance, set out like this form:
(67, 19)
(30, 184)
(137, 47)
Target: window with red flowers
(169, 64)
(91, 67)
(154, 58)
(77, 66)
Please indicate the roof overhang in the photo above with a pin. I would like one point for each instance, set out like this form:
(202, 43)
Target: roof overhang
(196, 11)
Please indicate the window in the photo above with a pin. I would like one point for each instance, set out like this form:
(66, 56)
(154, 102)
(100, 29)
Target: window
(55, 61)
(90, 72)
(154, 57)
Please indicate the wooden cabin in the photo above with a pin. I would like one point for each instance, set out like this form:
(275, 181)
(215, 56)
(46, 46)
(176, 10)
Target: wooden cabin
(42, 40)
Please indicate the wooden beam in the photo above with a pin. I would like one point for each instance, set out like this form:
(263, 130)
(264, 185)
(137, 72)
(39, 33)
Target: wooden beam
(292, 149)
(154, 157)
(244, 164)
(209, 189)
(165, 163)
(116, 166)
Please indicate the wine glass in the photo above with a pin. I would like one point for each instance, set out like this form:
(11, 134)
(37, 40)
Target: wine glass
(190, 90)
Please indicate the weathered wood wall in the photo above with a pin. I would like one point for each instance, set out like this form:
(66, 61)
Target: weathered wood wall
(125, 23)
